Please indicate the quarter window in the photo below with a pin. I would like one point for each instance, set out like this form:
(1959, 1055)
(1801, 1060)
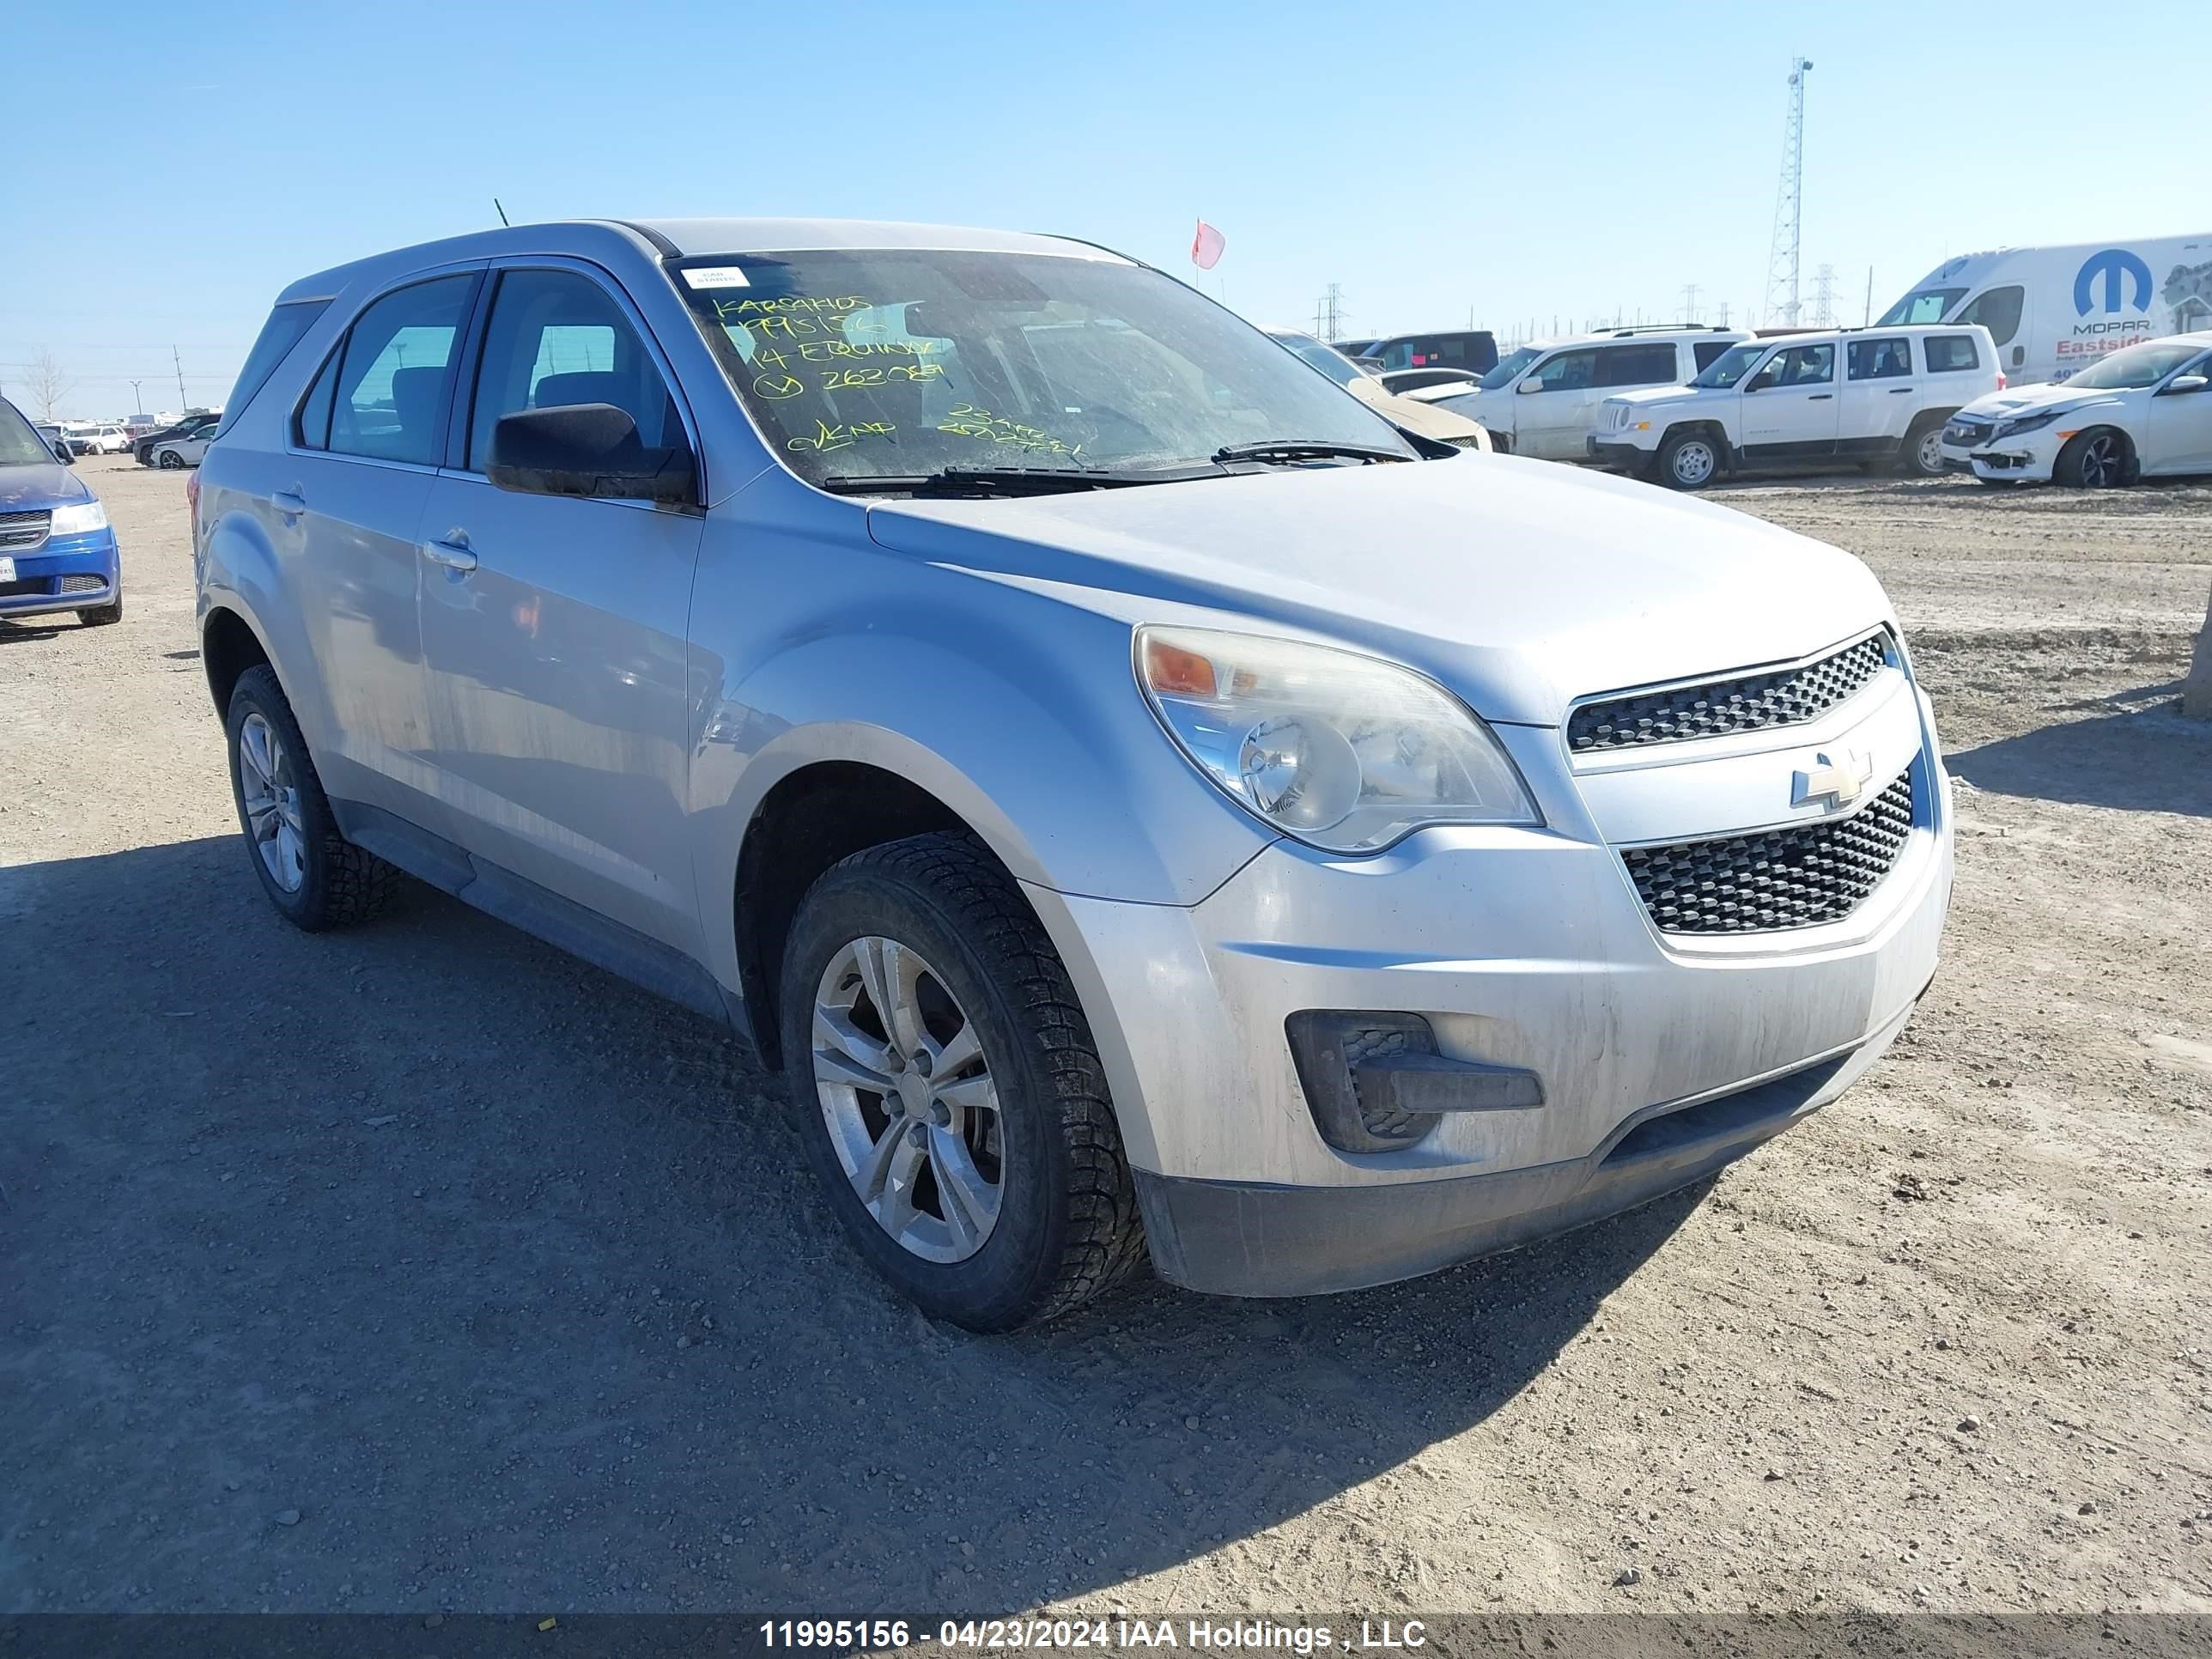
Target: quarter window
(1997, 310)
(1637, 365)
(394, 372)
(555, 338)
(1571, 371)
(1948, 353)
(1878, 359)
(311, 426)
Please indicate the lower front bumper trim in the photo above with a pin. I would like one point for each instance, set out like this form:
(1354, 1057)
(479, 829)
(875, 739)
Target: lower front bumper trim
(1234, 1238)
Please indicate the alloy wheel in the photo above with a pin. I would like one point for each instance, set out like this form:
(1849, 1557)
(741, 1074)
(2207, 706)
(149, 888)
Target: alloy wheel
(1693, 462)
(907, 1093)
(270, 788)
(2100, 462)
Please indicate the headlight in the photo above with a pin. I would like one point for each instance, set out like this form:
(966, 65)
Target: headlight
(2034, 423)
(75, 520)
(1345, 752)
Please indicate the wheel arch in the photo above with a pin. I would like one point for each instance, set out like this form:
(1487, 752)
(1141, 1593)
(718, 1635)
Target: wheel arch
(229, 645)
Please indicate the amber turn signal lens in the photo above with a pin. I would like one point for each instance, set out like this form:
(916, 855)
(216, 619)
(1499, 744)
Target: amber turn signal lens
(1170, 671)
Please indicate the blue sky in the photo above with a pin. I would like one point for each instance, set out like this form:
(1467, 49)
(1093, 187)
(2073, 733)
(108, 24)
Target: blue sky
(177, 165)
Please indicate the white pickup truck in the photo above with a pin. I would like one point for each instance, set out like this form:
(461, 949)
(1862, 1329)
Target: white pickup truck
(1874, 396)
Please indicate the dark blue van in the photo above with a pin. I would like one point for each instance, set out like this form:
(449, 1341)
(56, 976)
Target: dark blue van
(58, 551)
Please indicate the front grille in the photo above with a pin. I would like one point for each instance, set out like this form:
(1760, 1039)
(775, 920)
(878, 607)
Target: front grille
(83, 584)
(23, 529)
(1795, 877)
(1751, 702)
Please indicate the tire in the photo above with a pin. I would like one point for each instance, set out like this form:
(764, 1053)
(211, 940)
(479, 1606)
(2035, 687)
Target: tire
(327, 881)
(102, 616)
(1059, 1223)
(2095, 459)
(1920, 454)
(1689, 460)
(169, 460)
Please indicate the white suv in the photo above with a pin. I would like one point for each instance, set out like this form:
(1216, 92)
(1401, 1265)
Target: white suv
(1870, 395)
(1542, 399)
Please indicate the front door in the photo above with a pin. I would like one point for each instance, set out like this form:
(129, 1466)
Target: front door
(1552, 409)
(1790, 406)
(555, 628)
(2178, 432)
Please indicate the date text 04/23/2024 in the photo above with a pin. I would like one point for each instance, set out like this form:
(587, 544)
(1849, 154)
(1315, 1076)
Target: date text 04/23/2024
(1202, 1634)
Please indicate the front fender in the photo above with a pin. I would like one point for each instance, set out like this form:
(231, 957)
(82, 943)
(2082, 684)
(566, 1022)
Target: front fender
(1037, 738)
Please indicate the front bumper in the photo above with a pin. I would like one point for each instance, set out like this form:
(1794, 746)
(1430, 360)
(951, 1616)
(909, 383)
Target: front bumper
(1622, 457)
(76, 572)
(2029, 457)
(1662, 1056)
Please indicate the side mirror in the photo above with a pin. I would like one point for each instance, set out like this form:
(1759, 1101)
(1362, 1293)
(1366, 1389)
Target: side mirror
(2181, 384)
(1764, 380)
(61, 452)
(589, 450)
(1530, 384)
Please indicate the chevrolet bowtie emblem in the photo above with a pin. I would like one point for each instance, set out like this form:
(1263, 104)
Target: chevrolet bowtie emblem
(1835, 779)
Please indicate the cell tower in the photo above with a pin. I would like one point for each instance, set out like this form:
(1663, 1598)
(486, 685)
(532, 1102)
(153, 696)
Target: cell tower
(1788, 205)
(1824, 296)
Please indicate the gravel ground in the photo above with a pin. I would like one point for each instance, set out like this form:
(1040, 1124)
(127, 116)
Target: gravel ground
(423, 1268)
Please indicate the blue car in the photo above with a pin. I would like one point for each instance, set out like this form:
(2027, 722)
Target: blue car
(58, 551)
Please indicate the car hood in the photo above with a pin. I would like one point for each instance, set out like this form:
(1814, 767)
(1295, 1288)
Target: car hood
(1443, 425)
(1646, 396)
(1522, 584)
(2015, 399)
(41, 483)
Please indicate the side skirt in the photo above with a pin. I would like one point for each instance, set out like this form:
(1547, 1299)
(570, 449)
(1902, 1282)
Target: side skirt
(519, 902)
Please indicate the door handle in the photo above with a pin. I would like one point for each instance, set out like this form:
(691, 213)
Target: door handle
(1902, 391)
(290, 502)
(452, 552)
(1820, 396)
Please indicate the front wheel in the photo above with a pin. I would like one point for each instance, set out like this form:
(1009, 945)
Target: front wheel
(170, 460)
(1688, 461)
(948, 1093)
(2096, 459)
(102, 616)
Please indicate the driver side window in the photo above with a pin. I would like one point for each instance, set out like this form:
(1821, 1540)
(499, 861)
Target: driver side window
(556, 338)
(1571, 371)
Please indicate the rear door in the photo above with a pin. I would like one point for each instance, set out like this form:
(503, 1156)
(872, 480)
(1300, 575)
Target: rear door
(347, 497)
(1880, 394)
(1790, 406)
(555, 628)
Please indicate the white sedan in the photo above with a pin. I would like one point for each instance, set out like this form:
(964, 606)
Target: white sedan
(2145, 412)
(182, 452)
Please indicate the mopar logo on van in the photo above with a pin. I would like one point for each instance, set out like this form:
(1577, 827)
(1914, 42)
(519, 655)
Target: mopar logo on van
(2117, 267)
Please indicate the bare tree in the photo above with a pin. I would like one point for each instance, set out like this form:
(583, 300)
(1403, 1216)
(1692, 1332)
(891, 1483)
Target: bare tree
(48, 385)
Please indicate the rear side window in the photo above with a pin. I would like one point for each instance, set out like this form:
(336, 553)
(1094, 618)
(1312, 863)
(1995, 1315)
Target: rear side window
(1709, 352)
(1636, 365)
(1878, 360)
(285, 324)
(1949, 353)
(1997, 310)
(556, 338)
(392, 374)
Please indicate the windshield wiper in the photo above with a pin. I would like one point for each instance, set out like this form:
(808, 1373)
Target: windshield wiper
(1004, 480)
(1300, 449)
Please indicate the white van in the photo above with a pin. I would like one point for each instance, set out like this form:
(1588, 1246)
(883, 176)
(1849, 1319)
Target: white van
(2054, 311)
(1542, 399)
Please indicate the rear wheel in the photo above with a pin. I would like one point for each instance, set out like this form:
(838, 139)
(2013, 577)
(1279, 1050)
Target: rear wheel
(947, 1090)
(1689, 460)
(1923, 452)
(2095, 459)
(313, 875)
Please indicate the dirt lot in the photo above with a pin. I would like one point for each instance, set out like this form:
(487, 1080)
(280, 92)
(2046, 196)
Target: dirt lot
(424, 1268)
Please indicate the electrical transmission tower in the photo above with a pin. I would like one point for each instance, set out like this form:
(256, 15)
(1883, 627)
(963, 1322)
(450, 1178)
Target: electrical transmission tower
(1329, 314)
(1824, 296)
(1788, 205)
(1690, 318)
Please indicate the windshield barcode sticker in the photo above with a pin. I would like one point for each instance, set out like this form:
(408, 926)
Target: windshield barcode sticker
(716, 276)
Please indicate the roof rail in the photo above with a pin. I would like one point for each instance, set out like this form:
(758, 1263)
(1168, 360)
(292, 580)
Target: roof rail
(1667, 328)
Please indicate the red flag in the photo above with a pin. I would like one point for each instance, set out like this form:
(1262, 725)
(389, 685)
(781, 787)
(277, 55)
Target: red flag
(1206, 246)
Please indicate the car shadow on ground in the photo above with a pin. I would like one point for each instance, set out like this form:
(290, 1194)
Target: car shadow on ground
(2138, 759)
(42, 627)
(421, 1267)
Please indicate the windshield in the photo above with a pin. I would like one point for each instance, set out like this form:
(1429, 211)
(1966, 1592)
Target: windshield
(1731, 365)
(2136, 367)
(1327, 359)
(19, 445)
(902, 362)
(1926, 305)
(1509, 366)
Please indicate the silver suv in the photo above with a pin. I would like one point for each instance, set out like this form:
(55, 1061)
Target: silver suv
(1144, 802)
